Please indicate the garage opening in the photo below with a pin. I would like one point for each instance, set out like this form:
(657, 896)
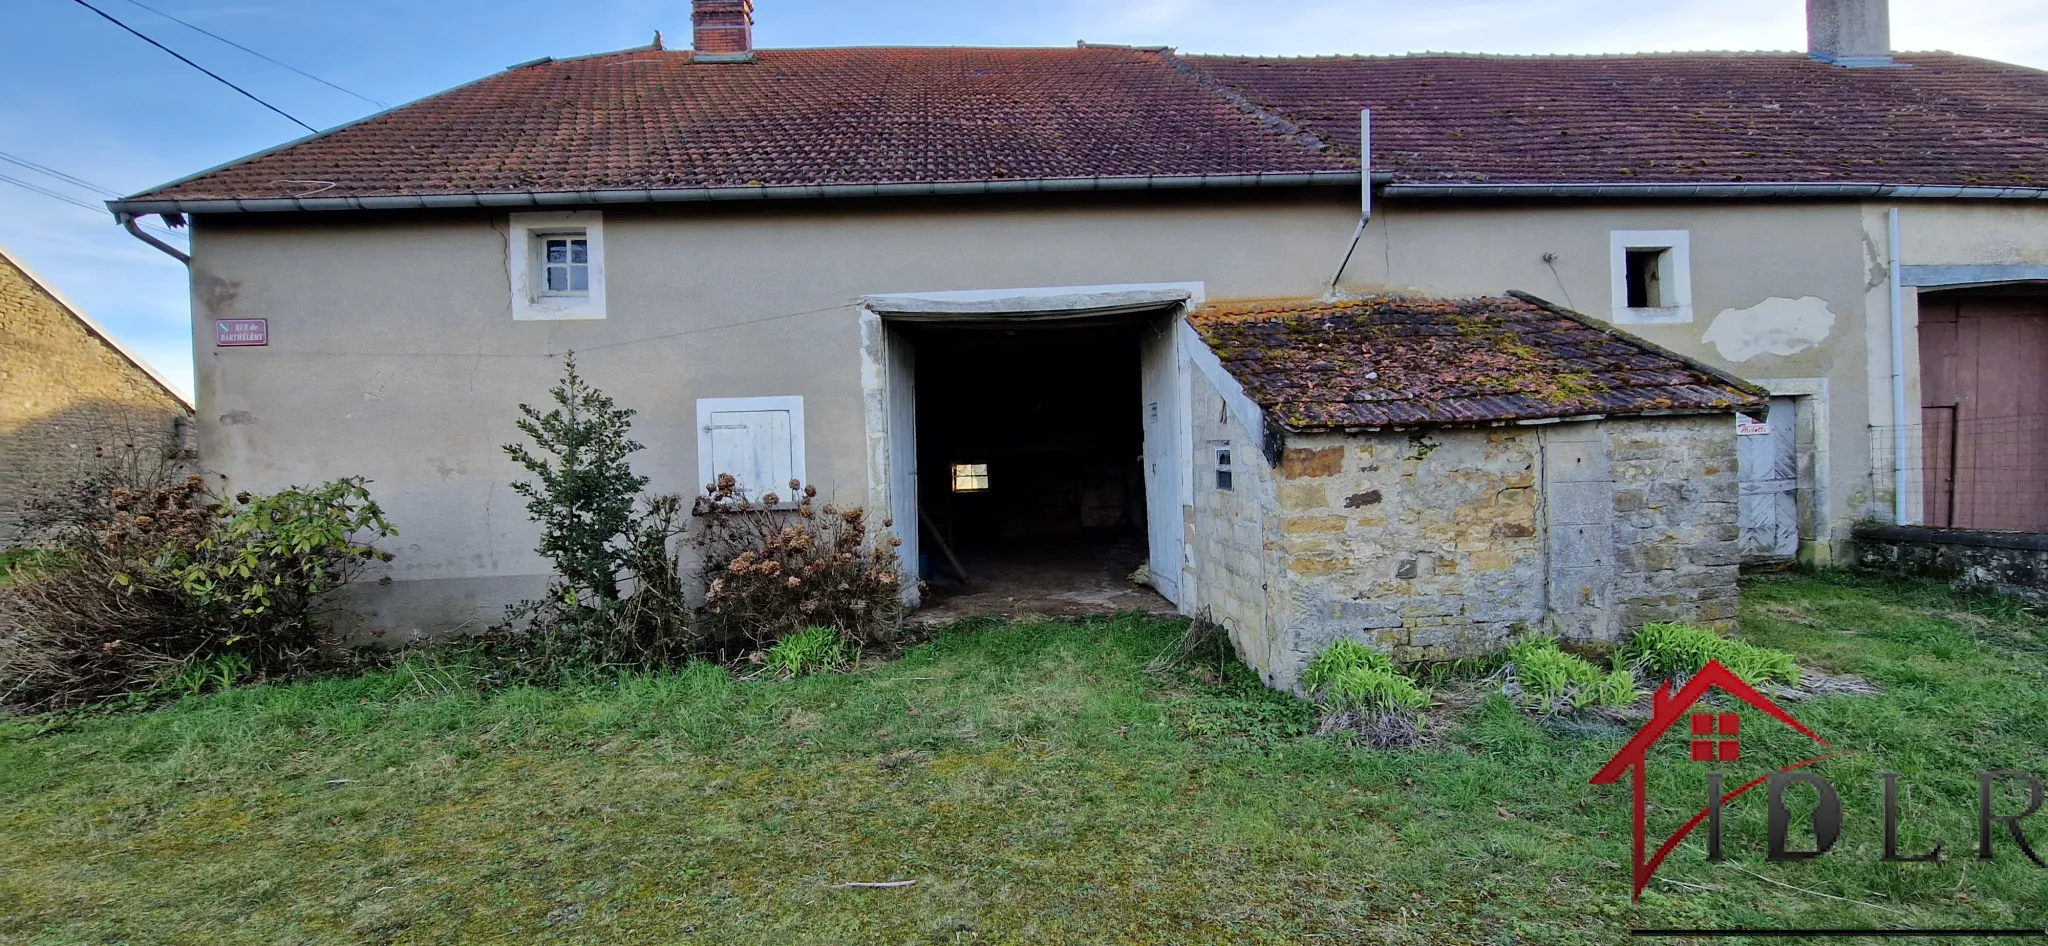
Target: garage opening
(1030, 457)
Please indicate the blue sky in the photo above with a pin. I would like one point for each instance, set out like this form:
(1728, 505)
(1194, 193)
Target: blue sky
(82, 97)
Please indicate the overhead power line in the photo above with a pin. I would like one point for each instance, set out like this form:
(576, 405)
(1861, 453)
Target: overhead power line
(145, 38)
(258, 55)
(60, 175)
(73, 201)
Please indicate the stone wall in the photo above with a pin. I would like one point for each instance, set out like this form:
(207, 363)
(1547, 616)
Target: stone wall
(65, 395)
(2014, 563)
(1451, 542)
(1675, 522)
(1232, 560)
(1426, 544)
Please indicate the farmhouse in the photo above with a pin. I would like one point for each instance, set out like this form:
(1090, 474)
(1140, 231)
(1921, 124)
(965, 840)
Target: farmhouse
(1013, 298)
(69, 393)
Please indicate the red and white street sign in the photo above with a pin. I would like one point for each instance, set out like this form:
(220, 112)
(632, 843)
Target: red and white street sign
(241, 333)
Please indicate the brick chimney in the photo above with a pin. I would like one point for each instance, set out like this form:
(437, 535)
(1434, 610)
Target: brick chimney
(724, 30)
(1851, 33)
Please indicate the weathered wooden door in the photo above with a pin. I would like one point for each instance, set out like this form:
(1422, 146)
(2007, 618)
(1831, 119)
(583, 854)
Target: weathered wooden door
(1984, 409)
(1769, 473)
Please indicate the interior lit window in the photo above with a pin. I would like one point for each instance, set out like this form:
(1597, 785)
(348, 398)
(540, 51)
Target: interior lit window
(970, 477)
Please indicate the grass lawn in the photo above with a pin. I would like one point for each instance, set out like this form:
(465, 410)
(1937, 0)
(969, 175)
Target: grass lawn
(1038, 786)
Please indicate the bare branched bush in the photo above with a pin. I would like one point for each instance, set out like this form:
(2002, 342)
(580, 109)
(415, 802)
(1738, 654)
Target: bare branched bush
(771, 570)
(137, 584)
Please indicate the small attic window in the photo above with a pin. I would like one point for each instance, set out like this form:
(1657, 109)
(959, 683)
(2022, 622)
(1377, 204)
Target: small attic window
(970, 477)
(1645, 277)
(1223, 466)
(1652, 276)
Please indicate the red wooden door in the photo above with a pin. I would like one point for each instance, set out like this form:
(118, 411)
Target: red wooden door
(1984, 409)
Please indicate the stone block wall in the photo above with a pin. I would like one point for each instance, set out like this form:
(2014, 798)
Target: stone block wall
(65, 394)
(1426, 544)
(1232, 560)
(2013, 563)
(1675, 520)
(1451, 542)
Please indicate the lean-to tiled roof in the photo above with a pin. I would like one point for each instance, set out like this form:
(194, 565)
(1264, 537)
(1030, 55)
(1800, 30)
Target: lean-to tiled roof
(1388, 361)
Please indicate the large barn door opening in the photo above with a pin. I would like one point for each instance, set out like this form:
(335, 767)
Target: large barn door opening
(1984, 408)
(1029, 445)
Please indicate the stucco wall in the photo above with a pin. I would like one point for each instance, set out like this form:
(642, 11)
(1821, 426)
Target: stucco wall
(65, 395)
(393, 353)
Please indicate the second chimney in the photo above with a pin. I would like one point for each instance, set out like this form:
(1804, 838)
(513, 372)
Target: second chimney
(1849, 33)
(724, 30)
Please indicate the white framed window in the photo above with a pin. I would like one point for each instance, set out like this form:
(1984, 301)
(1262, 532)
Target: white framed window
(759, 440)
(1652, 276)
(970, 477)
(556, 262)
(1222, 451)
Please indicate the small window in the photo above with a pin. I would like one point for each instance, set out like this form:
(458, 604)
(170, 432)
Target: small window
(1223, 467)
(1652, 276)
(1645, 276)
(970, 477)
(759, 441)
(555, 261)
(565, 264)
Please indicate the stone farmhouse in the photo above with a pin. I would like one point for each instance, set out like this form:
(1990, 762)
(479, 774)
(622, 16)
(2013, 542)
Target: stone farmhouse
(69, 393)
(1244, 321)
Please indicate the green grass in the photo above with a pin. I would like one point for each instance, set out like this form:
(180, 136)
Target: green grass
(1038, 786)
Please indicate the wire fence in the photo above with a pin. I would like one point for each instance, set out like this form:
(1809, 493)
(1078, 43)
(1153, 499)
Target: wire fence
(1968, 472)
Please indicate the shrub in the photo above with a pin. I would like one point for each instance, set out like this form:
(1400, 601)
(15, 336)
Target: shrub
(584, 494)
(161, 578)
(1350, 677)
(1549, 679)
(771, 572)
(807, 651)
(1673, 651)
(583, 491)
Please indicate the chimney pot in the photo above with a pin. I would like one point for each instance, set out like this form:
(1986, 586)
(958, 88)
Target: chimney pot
(1851, 33)
(724, 30)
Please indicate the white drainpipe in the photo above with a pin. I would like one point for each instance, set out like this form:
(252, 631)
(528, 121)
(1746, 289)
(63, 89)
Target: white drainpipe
(1364, 192)
(1898, 373)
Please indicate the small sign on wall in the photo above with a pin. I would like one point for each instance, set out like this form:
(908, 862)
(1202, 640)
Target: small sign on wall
(1750, 425)
(241, 333)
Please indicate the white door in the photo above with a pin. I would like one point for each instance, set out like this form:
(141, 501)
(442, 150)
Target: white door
(901, 384)
(1160, 389)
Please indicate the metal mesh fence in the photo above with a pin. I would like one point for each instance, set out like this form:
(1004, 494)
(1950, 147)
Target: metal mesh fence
(1969, 472)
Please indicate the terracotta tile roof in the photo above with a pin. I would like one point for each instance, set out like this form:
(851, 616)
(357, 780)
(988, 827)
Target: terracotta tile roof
(1387, 361)
(1748, 117)
(652, 119)
(649, 118)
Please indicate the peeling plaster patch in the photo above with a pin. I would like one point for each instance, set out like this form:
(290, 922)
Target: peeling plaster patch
(1775, 326)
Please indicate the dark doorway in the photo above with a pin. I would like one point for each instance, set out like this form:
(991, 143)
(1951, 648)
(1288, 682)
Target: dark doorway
(1029, 445)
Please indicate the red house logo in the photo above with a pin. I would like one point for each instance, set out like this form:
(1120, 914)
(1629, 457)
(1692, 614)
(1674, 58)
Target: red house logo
(1715, 737)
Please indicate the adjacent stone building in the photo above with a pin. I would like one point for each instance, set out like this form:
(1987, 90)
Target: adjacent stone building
(1436, 477)
(69, 391)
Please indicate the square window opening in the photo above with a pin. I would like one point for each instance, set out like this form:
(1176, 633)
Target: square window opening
(1645, 277)
(970, 477)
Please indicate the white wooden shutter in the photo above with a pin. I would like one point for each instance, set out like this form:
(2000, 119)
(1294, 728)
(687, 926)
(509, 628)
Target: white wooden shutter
(757, 440)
